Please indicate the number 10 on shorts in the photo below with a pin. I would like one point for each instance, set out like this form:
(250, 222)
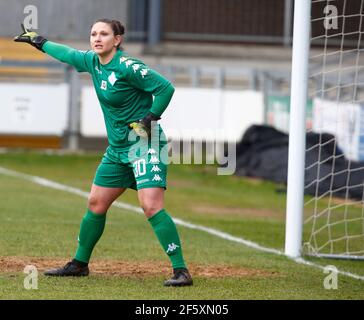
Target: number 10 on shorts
(140, 168)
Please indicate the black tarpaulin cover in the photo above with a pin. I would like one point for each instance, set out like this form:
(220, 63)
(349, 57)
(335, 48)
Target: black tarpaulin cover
(263, 153)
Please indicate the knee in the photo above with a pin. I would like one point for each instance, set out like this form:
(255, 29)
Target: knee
(96, 205)
(150, 209)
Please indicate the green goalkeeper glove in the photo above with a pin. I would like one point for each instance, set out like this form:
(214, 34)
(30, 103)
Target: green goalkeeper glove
(31, 37)
(143, 127)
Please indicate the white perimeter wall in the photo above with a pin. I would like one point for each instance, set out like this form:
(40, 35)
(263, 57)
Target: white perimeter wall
(199, 114)
(343, 120)
(33, 109)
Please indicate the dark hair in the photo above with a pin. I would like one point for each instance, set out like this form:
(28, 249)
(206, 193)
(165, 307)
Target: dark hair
(116, 26)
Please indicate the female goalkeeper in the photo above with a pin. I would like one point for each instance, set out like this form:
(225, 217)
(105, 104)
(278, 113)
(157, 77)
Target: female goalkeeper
(136, 156)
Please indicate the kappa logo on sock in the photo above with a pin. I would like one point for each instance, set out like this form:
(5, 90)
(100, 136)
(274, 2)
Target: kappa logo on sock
(172, 247)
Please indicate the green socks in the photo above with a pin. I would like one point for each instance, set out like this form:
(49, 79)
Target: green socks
(92, 227)
(167, 234)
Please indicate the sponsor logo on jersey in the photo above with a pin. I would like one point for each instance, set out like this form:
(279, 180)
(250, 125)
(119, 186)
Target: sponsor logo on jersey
(103, 85)
(112, 78)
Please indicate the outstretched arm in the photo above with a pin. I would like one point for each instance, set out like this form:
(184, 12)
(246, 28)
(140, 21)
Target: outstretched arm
(63, 53)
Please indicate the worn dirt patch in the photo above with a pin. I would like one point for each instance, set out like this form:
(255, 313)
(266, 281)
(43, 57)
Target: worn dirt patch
(237, 211)
(131, 268)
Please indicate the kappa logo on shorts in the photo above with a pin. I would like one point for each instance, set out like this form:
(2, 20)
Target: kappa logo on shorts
(157, 178)
(154, 160)
(156, 169)
(151, 151)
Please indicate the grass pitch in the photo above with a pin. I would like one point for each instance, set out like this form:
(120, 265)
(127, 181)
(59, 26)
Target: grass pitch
(39, 226)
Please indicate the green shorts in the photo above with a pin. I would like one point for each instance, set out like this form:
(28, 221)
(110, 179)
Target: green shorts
(143, 165)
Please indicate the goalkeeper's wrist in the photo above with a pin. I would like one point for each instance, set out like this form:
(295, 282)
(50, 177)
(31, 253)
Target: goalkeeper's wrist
(153, 116)
(38, 42)
(149, 118)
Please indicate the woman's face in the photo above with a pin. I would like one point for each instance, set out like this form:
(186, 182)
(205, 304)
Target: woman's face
(102, 38)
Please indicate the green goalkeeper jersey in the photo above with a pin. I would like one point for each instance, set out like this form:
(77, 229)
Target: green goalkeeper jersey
(126, 88)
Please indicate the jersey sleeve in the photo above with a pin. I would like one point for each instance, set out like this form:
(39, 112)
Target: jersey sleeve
(144, 78)
(81, 60)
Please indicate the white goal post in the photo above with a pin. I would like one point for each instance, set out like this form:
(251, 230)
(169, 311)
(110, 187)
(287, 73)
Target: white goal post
(297, 129)
(328, 68)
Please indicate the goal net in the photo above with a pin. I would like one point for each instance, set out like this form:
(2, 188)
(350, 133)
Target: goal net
(334, 162)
